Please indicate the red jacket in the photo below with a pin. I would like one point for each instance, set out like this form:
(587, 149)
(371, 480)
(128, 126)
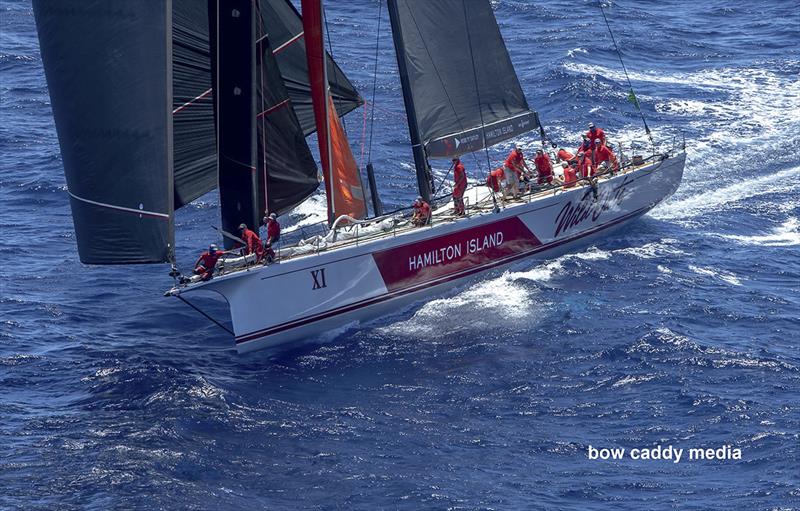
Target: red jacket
(494, 178)
(273, 230)
(460, 178)
(544, 168)
(514, 160)
(208, 260)
(602, 154)
(565, 155)
(422, 210)
(570, 177)
(585, 165)
(597, 133)
(253, 243)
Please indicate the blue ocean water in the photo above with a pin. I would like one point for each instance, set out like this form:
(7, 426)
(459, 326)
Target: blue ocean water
(682, 330)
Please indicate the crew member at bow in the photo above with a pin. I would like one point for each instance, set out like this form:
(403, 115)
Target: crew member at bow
(205, 264)
(603, 154)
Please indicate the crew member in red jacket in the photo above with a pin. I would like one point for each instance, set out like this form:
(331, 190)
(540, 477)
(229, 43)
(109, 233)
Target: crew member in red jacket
(514, 167)
(602, 154)
(422, 213)
(205, 264)
(273, 229)
(584, 164)
(252, 242)
(543, 167)
(273, 235)
(571, 174)
(564, 155)
(459, 186)
(595, 133)
(585, 147)
(494, 179)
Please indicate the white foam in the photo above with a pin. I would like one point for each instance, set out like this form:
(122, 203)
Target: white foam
(309, 212)
(722, 275)
(713, 199)
(785, 235)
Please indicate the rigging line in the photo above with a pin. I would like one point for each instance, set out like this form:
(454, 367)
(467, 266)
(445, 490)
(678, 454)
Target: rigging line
(477, 89)
(262, 116)
(193, 306)
(439, 77)
(619, 54)
(374, 83)
(335, 75)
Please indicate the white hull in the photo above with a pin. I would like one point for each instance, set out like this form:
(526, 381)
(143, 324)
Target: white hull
(303, 297)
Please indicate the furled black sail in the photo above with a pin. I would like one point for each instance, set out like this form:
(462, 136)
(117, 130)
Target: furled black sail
(285, 30)
(461, 82)
(286, 169)
(109, 75)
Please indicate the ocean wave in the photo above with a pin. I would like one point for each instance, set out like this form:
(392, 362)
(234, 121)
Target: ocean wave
(715, 199)
(785, 235)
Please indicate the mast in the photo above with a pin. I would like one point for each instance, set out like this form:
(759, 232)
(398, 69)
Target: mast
(420, 159)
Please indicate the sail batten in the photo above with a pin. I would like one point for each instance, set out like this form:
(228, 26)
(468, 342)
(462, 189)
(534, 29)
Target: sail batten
(465, 92)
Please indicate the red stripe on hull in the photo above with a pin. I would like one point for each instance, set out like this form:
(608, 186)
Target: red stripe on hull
(532, 248)
(433, 258)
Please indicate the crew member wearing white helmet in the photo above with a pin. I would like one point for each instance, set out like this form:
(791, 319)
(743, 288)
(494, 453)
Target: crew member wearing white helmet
(422, 213)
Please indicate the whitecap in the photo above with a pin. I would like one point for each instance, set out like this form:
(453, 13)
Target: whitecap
(710, 199)
(785, 235)
(722, 275)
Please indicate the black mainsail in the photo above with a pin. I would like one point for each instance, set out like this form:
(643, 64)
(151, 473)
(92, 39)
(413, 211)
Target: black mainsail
(462, 93)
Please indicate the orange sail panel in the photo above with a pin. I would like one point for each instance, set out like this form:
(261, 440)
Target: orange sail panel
(346, 180)
(342, 179)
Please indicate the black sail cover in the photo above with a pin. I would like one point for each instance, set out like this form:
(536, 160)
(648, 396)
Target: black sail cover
(285, 30)
(108, 72)
(450, 45)
(287, 172)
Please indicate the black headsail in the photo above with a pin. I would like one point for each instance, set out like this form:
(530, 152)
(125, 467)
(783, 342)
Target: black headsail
(132, 96)
(460, 85)
(108, 68)
(193, 105)
(287, 171)
(285, 30)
